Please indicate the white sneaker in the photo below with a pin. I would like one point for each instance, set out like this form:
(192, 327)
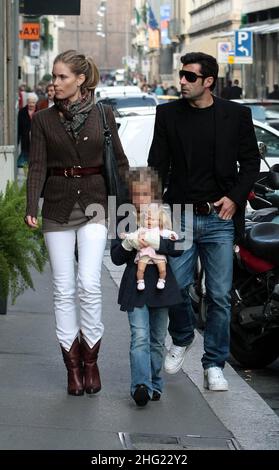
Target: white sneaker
(175, 358)
(140, 285)
(214, 380)
(161, 284)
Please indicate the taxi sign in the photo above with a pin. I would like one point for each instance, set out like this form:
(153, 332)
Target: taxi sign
(30, 31)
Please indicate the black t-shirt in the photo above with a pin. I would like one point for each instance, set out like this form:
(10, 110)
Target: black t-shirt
(201, 184)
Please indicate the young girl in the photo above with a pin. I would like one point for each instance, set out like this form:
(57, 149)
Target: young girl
(155, 222)
(147, 309)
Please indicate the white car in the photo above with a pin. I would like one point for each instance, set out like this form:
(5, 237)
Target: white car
(270, 137)
(265, 110)
(130, 105)
(118, 90)
(136, 133)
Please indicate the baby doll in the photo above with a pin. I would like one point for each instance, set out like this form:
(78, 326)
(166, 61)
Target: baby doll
(155, 221)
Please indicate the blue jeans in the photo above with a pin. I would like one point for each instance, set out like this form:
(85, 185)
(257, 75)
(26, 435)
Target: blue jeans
(148, 331)
(213, 243)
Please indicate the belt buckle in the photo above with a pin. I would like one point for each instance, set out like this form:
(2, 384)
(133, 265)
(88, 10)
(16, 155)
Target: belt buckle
(72, 171)
(203, 208)
(209, 209)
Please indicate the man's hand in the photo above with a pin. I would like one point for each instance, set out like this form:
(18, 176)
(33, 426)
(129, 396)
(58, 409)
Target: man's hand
(227, 208)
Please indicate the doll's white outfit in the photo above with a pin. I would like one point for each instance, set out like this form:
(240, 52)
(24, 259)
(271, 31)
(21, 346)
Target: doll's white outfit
(148, 254)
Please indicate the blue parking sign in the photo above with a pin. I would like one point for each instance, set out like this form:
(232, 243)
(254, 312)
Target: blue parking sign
(243, 43)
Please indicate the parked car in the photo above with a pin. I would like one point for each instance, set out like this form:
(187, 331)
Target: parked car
(269, 136)
(121, 90)
(127, 105)
(136, 133)
(263, 110)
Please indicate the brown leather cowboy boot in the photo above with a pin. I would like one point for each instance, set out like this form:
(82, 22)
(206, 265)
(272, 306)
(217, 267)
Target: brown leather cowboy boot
(91, 370)
(73, 364)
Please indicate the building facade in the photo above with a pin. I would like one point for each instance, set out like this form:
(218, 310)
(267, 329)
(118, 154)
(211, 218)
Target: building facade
(262, 17)
(103, 30)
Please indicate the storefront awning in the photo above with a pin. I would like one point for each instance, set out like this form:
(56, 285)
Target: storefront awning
(257, 29)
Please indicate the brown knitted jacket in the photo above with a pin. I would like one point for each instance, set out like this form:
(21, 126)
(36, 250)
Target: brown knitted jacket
(52, 147)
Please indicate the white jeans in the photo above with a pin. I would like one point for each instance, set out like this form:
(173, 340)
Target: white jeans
(91, 241)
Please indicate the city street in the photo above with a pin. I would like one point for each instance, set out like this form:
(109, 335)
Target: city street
(168, 105)
(264, 381)
(36, 412)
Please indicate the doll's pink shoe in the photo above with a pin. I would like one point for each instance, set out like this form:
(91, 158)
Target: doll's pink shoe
(141, 285)
(161, 284)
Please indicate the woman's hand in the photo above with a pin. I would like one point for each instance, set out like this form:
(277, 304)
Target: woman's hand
(32, 222)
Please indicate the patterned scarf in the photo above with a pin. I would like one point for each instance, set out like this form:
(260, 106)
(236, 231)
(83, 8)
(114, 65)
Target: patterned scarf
(74, 114)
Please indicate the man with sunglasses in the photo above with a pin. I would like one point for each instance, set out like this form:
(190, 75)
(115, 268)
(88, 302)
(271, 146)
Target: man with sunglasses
(206, 152)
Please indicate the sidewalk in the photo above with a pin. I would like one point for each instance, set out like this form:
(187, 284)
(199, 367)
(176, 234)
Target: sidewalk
(36, 412)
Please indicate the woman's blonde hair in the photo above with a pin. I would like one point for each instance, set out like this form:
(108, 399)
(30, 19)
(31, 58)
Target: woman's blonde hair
(79, 64)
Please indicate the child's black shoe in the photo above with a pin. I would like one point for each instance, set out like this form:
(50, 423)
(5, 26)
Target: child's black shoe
(140, 395)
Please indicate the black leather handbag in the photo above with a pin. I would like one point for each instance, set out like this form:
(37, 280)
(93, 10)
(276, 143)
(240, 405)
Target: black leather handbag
(115, 186)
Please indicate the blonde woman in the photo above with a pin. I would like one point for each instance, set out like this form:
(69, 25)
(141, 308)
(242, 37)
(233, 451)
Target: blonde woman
(67, 145)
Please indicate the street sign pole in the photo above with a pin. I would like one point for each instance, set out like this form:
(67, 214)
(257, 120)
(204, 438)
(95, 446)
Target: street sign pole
(243, 84)
(243, 52)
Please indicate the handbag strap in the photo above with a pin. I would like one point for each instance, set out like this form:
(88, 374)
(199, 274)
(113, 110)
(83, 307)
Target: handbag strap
(107, 133)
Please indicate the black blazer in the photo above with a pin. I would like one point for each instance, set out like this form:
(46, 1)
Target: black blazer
(235, 143)
(129, 297)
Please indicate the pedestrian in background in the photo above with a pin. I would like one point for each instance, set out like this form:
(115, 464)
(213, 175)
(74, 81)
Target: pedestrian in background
(25, 116)
(22, 96)
(147, 309)
(274, 95)
(67, 142)
(236, 91)
(199, 142)
(226, 91)
(49, 100)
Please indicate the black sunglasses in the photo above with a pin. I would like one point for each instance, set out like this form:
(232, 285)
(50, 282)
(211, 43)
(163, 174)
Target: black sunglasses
(189, 76)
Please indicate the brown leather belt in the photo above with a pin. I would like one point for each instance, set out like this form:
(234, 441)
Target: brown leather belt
(204, 208)
(76, 171)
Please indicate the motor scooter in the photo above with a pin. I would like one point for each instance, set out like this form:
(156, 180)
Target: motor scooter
(254, 326)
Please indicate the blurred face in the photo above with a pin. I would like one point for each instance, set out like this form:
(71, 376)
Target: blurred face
(194, 85)
(50, 92)
(141, 193)
(31, 103)
(66, 83)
